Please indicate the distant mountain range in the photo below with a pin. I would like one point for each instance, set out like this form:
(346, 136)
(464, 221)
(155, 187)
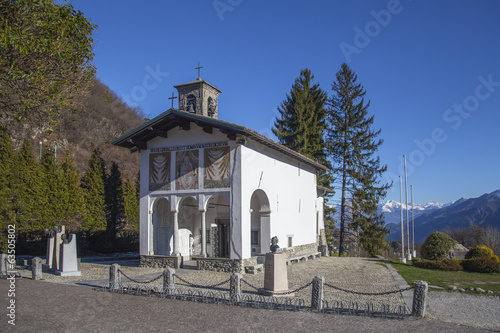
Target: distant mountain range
(433, 216)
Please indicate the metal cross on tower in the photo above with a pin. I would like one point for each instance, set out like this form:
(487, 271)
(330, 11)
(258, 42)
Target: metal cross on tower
(172, 98)
(199, 68)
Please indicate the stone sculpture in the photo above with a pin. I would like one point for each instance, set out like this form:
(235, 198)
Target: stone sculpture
(274, 244)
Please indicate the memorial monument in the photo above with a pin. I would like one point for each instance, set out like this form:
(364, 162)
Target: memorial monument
(61, 252)
(276, 275)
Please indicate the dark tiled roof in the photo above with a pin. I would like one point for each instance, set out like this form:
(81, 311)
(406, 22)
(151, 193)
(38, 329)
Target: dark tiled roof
(173, 118)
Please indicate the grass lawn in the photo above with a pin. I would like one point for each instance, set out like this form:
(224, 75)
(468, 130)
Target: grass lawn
(486, 281)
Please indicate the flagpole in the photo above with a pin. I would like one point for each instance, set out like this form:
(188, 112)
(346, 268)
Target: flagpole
(406, 209)
(403, 258)
(413, 224)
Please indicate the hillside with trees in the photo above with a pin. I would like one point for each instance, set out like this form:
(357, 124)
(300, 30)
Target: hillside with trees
(57, 120)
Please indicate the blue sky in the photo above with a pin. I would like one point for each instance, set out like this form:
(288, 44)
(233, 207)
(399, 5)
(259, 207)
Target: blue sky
(430, 69)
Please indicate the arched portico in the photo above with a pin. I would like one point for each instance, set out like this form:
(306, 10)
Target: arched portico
(189, 235)
(260, 222)
(161, 237)
(218, 226)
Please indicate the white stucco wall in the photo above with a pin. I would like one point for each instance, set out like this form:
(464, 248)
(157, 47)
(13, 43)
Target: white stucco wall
(176, 138)
(290, 187)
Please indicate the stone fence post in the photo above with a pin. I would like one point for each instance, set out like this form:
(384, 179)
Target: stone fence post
(114, 276)
(419, 296)
(235, 285)
(36, 268)
(317, 293)
(3, 264)
(169, 279)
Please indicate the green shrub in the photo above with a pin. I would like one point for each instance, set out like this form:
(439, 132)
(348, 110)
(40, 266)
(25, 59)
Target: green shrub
(480, 251)
(444, 265)
(481, 265)
(437, 246)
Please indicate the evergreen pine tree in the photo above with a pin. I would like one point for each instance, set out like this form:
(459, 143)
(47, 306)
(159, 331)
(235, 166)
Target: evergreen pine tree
(29, 193)
(72, 197)
(6, 182)
(352, 145)
(114, 202)
(301, 125)
(52, 191)
(131, 206)
(92, 182)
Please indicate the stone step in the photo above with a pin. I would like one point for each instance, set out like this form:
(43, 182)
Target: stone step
(255, 269)
(189, 264)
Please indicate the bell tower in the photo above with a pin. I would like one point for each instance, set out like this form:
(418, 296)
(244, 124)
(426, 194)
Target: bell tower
(199, 97)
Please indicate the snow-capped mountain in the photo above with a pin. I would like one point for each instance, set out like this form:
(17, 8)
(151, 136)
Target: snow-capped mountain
(461, 213)
(392, 210)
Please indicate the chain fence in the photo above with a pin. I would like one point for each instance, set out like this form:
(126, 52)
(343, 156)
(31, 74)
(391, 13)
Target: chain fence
(276, 301)
(366, 293)
(200, 285)
(136, 281)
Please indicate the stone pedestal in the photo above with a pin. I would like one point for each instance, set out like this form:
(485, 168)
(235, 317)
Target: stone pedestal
(36, 268)
(68, 262)
(324, 250)
(3, 265)
(276, 275)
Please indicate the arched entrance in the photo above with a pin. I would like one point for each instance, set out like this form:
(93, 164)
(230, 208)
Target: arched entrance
(163, 228)
(260, 231)
(218, 227)
(189, 228)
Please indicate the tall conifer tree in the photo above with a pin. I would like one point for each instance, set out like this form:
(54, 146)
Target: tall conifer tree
(92, 182)
(131, 206)
(29, 195)
(352, 145)
(6, 182)
(52, 191)
(73, 195)
(301, 125)
(114, 202)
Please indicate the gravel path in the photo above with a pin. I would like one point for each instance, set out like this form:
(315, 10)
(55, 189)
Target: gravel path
(357, 274)
(472, 310)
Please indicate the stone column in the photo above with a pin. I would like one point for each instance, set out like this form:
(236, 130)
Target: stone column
(168, 278)
(36, 268)
(235, 285)
(203, 234)
(50, 252)
(114, 276)
(3, 264)
(419, 296)
(317, 293)
(177, 251)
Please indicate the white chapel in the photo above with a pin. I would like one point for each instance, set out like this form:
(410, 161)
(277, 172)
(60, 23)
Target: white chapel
(215, 193)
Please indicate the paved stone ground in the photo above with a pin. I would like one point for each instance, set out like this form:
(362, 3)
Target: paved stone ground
(41, 305)
(52, 307)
